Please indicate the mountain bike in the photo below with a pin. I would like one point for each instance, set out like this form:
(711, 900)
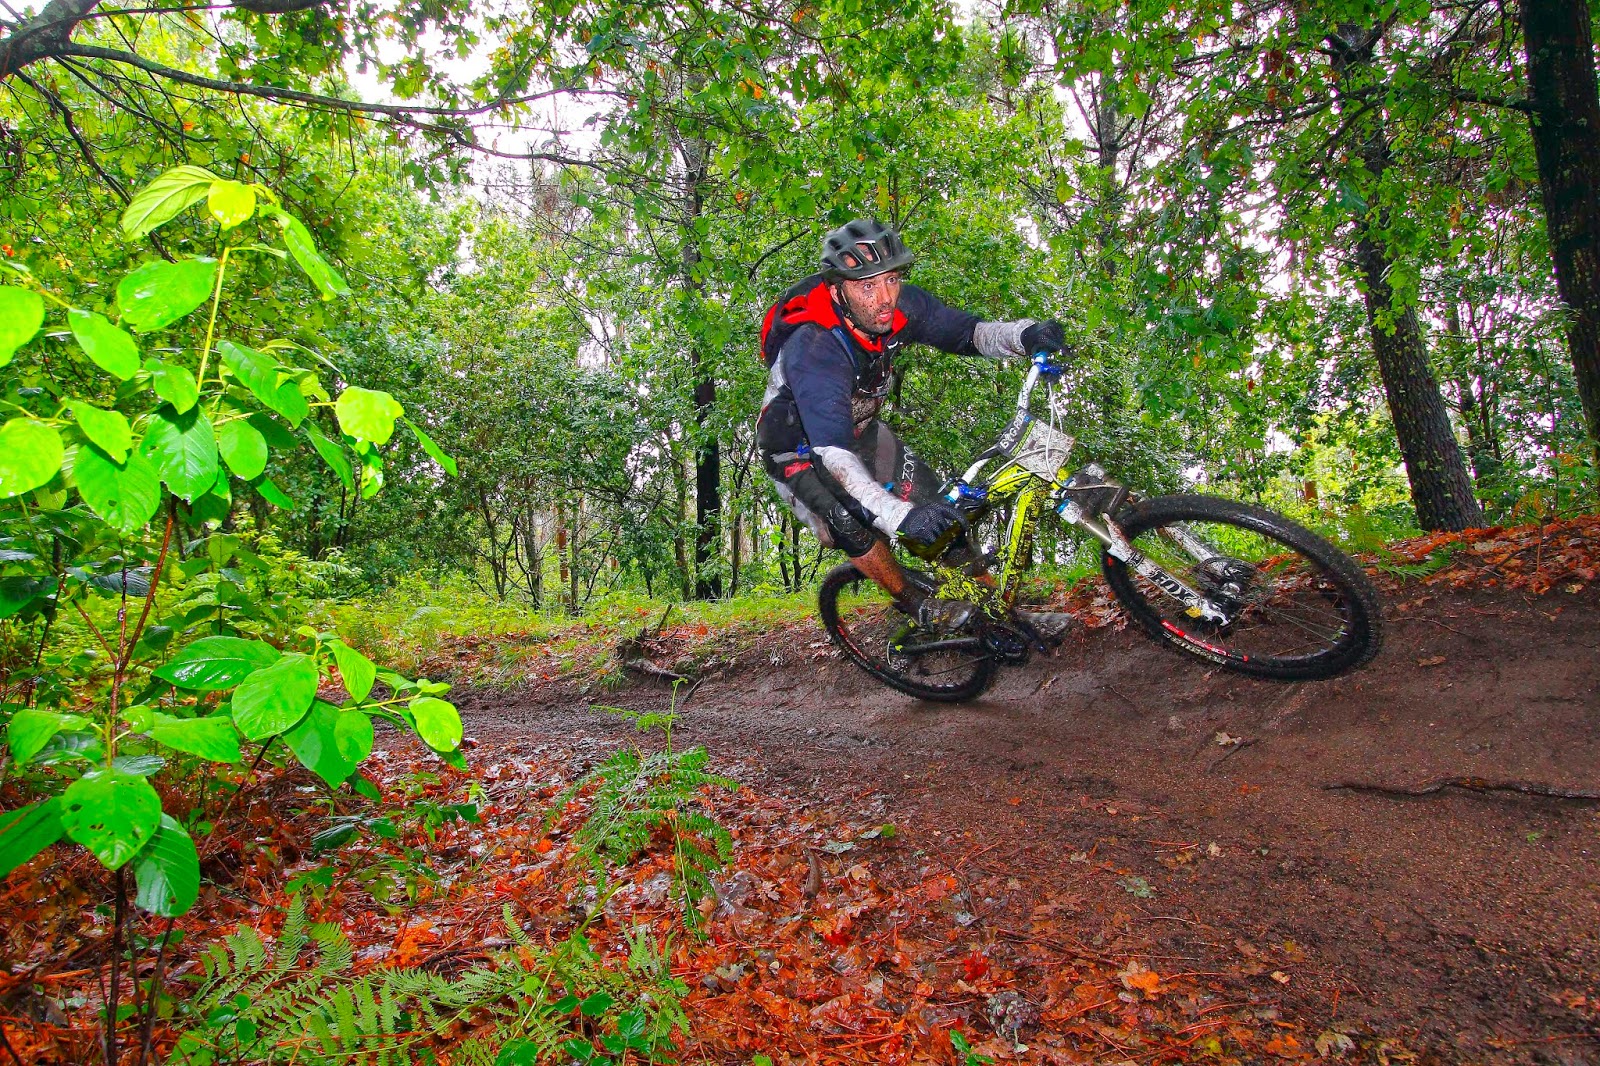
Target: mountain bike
(1235, 585)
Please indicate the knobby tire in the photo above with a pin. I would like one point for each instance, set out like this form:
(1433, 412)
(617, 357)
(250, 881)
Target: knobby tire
(1310, 592)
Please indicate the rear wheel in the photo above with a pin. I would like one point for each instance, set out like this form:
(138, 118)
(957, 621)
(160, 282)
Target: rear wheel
(1297, 608)
(888, 644)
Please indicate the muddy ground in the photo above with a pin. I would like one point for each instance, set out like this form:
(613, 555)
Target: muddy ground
(1186, 815)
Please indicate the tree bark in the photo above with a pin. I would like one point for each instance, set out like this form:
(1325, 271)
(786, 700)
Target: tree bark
(1441, 489)
(708, 454)
(1562, 86)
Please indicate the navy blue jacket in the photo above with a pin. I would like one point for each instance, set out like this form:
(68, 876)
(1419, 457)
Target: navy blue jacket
(824, 381)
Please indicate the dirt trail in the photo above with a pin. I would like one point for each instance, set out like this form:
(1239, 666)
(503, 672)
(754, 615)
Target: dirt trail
(1464, 925)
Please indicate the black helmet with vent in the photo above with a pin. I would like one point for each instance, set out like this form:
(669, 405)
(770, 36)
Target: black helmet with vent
(863, 248)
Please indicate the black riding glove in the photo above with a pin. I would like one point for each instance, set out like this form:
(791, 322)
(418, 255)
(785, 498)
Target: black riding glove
(1044, 337)
(930, 528)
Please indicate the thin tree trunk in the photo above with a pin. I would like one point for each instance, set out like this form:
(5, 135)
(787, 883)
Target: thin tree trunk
(708, 453)
(1562, 85)
(1441, 490)
(563, 561)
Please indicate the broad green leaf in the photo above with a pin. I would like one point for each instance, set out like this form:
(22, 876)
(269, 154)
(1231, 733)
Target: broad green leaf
(437, 722)
(27, 831)
(260, 374)
(173, 384)
(352, 734)
(21, 315)
(332, 454)
(108, 429)
(315, 743)
(183, 449)
(356, 669)
(278, 438)
(273, 494)
(31, 729)
(271, 700)
(435, 452)
(17, 593)
(367, 414)
(298, 240)
(214, 663)
(164, 198)
(126, 494)
(167, 872)
(111, 813)
(230, 202)
(243, 448)
(108, 345)
(371, 474)
(30, 454)
(213, 738)
(159, 293)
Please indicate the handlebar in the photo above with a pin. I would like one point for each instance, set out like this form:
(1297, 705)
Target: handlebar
(1042, 368)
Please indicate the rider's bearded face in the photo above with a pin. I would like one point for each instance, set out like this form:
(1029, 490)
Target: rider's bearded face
(870, 302)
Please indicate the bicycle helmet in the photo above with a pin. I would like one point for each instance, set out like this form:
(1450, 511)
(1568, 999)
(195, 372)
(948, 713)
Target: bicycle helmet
(863, 248)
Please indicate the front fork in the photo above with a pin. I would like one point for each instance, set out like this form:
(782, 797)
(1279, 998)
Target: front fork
(1103, 529)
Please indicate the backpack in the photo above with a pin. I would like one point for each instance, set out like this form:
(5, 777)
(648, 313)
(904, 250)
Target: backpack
(799, 304)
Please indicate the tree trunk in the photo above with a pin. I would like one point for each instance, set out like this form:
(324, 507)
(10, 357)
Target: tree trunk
(1441, 490)
(1566, 142)
(563, 558)
(680, 548)
(708, 454)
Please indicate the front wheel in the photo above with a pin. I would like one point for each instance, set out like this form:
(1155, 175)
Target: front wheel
(1292, 606)
(888, 644)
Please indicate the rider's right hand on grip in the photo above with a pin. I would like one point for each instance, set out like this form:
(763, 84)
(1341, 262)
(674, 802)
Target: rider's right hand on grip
(930, 528)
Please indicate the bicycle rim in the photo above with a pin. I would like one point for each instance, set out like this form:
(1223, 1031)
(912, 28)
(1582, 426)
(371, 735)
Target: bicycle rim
(1300, 609)
(882, 640)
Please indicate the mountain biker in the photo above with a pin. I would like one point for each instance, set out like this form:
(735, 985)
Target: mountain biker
(830, 343)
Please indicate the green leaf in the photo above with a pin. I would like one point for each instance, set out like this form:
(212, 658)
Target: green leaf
(159, 293)
(167, 872)
(298, 240)
(596, 1005)
(332, 454)
(30, 454)
(214, 663)
(230, 202)
(107, 429)
(367, 414)
(243, 448)
(27, 831)
(173, 384)
(437, 722)
(315, 742)
(273, 494)
(213, 738)
(278, 438)
(16, 593)
(435, 452)
(112, 814)
(353, 735)
(356, 669)
(518, 1052)
(21, 315)
(126, 494)
(270, 701)
(260, 374)
(108, 345)
(164, 198)
(183, 449)
(31, 730)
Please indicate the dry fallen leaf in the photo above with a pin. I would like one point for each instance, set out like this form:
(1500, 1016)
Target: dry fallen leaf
(1432, 661)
